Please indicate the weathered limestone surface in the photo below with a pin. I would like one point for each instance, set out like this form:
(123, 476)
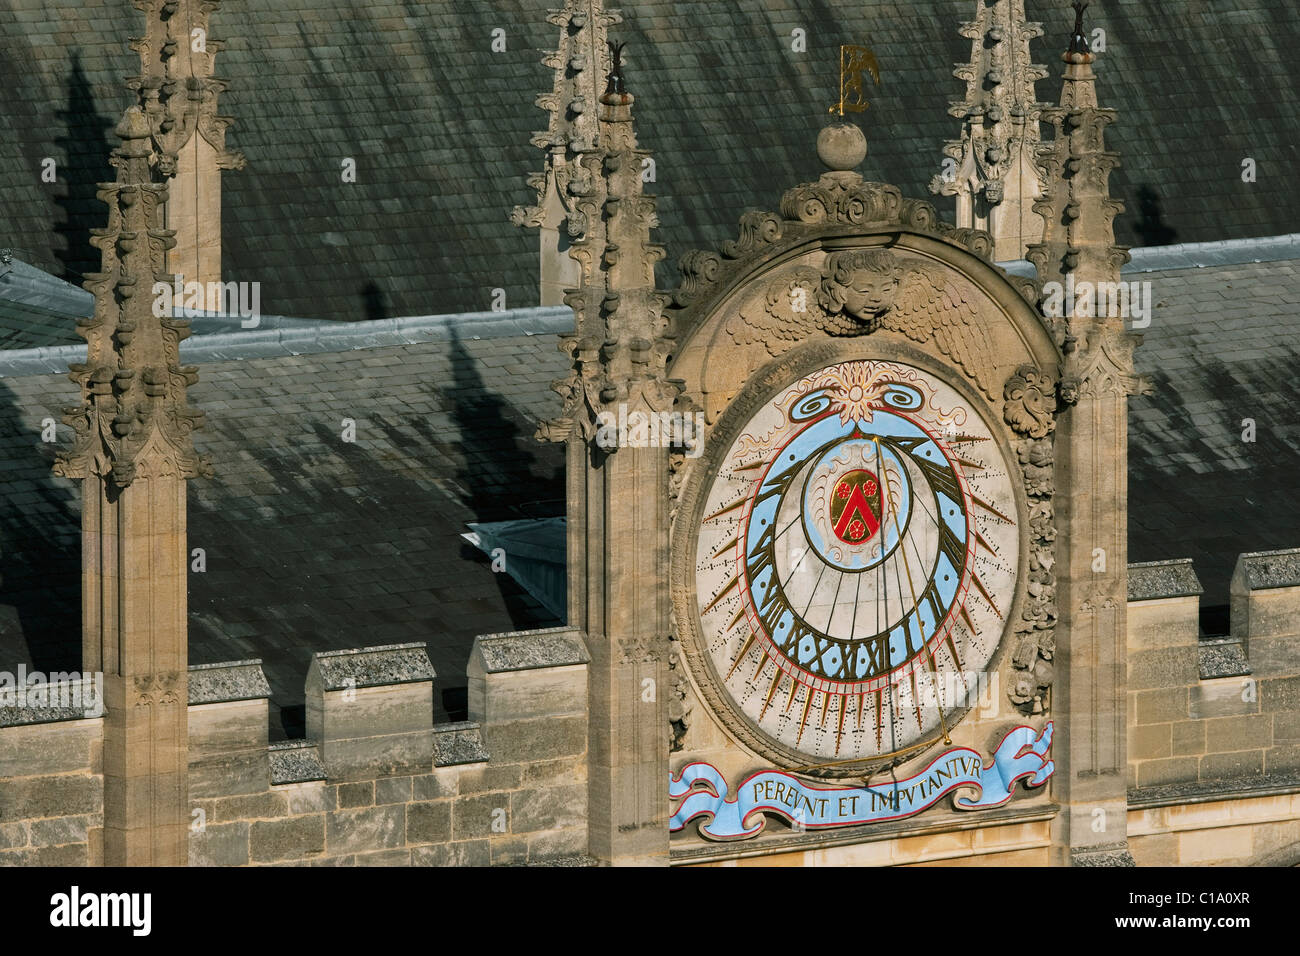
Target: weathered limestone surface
(407, 792)
(580, 64)
(51, 792)
(1191, 731)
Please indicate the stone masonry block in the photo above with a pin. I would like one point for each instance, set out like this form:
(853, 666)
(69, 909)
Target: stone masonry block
(13, 835)
(1154, 773)
(555, 808)
(1150, 741)
(483, 816)
(313, 797)
(293, 838)
(1166, 668)
(372, 712)
(1223, 697)
(227, 727)
(398, 857)
(366, 758)
(220, 845)
(393, 790)
(433, 786)
(521, 695)
(1265, 595)
(428, 822)
(527, 675)
(1159, 624)
(356, 795)
(459, 854)
(1229, 766)
(1280, 694)
(360, 831)
(1159, 706)
(556, 844)
(24, 798)
(523, 740)
(36, 749)
(1189, 738)
(509, 850)
(228, 774)
(1282, 759)
(1286, 726)
(58, 831)
(1225, 734)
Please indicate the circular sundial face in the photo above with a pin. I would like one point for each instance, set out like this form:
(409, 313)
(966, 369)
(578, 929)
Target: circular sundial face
(857, 556)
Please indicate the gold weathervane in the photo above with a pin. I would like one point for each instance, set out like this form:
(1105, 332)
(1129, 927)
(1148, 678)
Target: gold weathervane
(854, 61)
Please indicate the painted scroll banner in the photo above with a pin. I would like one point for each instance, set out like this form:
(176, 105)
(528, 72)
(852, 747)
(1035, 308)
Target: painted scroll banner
(1022, 754)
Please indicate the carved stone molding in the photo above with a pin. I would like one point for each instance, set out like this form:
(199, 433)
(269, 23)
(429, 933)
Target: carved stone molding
(835, 203)
(159, 689)
(1030, 402)
(1029, 407)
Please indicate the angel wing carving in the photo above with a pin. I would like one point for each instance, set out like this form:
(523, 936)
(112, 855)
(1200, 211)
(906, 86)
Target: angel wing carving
(787, 313)
(880, 291)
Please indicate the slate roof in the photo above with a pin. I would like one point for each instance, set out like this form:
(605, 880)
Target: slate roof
(1223, 347)
(439, 127)
(38, 309)
(313, 543)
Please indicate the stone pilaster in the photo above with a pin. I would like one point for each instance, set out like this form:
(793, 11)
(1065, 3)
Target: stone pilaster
(618, 494)
(1078, 251)
(133, 453)
(580, 63)
(997, 178)
(177, 88)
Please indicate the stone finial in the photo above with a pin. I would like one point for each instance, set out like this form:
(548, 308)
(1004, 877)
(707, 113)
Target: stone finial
(134, 416)
(616, 85)
(1079, 40)
(841, 146)
(992, 169)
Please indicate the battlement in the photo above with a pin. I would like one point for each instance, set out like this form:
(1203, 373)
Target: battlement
(374, 782)
(1206, 709)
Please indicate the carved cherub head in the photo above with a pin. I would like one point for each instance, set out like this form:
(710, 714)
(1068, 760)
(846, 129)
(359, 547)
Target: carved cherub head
(863, 284)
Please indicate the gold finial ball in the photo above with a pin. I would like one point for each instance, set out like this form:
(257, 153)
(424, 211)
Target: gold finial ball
(841, 146)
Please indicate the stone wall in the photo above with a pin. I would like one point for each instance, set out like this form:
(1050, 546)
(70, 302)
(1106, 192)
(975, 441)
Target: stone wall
(1201, 712)
(376, 782)
(51, 785)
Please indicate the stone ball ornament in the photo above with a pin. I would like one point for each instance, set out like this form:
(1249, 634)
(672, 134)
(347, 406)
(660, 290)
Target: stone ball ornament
(841, 146)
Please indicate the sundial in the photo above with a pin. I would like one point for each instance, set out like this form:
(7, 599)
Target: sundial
(856, 560)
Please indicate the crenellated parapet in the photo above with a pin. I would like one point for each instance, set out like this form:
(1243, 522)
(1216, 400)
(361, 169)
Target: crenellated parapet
(1206, 708)
(376, 782)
